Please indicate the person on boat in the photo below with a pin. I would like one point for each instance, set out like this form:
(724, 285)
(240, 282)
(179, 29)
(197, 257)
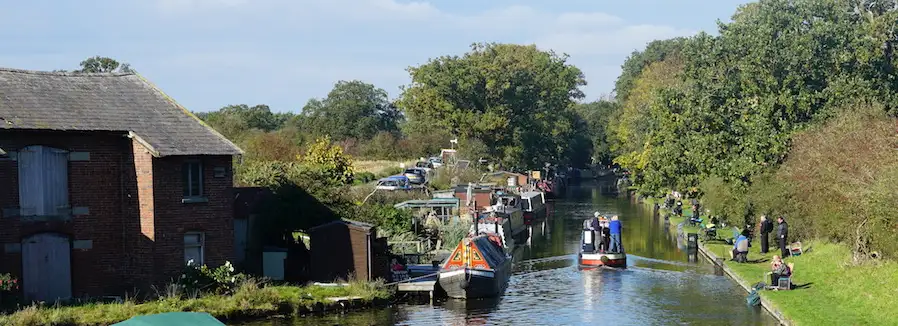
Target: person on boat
(615, 230)
(782, 234)
(778, 269)
(594, 222)
(765, 227)
(740, 248)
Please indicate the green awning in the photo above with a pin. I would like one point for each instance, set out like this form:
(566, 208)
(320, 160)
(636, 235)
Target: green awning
(173, 319)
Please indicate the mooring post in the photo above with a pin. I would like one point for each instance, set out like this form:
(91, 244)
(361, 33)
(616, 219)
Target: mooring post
(431, 297)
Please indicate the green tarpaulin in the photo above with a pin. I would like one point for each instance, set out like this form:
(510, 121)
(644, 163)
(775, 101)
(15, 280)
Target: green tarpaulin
(173, 319)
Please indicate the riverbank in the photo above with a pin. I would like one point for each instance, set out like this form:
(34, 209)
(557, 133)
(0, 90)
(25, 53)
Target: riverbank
(250, 301)
(829, 290)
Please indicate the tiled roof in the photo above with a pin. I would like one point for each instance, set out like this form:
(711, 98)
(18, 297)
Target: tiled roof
(106, 102)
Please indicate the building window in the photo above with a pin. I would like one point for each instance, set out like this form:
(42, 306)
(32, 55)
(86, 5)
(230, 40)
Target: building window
(43, 181)
(193, 248)
(193, 179)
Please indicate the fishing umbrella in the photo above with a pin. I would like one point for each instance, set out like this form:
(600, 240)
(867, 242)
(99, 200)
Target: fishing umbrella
(173, 319)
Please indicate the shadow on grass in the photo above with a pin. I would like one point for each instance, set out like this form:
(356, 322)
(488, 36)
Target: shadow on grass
(802, 286)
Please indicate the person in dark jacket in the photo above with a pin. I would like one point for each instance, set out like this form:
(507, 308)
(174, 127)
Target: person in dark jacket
(766, 227)
(782, 236)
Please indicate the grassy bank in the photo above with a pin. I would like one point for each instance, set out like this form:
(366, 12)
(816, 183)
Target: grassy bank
(249, 301)
(830, 291)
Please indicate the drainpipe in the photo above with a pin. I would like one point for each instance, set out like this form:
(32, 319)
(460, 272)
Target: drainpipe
(368, 256)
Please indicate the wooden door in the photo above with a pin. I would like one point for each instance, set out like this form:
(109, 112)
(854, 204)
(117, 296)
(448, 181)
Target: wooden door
(46, 267)
(240, 232)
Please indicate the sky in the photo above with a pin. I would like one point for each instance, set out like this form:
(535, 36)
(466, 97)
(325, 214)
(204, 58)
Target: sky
(210, 53)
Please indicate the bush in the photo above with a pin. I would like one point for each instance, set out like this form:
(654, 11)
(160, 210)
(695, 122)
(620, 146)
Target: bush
(361, 178)
(202, 280)
(386, 217)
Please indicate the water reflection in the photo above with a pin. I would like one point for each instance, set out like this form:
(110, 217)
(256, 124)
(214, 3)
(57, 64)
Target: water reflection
(663, 284)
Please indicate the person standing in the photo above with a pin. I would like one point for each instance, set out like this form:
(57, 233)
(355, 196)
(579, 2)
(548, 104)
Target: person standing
(615, 230)
(766, 228)
(782, 235)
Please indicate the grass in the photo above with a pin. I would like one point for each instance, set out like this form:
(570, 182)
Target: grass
(832, 292)
(377, 167)
(250, 300)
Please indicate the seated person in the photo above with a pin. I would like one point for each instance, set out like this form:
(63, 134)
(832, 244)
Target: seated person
(778, 269)
(740, 248)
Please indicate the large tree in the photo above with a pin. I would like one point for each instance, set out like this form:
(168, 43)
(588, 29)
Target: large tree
(353, 109)
(514, 98)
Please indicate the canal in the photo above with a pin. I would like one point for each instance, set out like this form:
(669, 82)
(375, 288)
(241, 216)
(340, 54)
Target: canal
(663, 285)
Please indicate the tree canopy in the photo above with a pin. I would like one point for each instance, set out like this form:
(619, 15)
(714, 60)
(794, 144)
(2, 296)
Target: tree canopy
(515, 98)
(353, 109)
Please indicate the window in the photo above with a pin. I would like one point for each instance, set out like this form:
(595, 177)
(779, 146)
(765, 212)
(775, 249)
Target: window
(43, 181)
(193, 179)
(193, 248)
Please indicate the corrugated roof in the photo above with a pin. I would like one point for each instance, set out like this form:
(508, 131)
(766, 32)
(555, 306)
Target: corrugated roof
(124, 102)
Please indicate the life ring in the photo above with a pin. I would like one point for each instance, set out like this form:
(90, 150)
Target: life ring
(604, 259)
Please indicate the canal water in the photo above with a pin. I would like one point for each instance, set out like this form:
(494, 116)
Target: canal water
(663, 285)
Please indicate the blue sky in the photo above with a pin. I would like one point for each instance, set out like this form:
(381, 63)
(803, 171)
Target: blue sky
(211, 53)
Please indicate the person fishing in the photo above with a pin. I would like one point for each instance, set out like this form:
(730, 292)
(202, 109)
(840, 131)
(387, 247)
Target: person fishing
(782, 234)
(766, 226)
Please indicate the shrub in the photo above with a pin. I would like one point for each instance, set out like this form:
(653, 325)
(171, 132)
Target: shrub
(386, 217)
(361, 178)
(8, 283)
(205, 280)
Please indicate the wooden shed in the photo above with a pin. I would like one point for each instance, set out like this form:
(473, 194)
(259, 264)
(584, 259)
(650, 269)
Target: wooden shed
(342, 248)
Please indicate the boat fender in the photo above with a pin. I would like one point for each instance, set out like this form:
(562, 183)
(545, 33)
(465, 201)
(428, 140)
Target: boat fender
(464, 284)
(604, 259)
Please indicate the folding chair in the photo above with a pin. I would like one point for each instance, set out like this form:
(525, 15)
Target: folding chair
(795, 249)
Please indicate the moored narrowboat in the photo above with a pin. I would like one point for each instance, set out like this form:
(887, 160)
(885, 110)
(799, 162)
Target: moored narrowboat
(478, 268)
(534, 204)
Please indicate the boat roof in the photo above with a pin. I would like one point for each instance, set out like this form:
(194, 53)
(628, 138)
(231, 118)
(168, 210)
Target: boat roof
(531, 194)
(491, 253)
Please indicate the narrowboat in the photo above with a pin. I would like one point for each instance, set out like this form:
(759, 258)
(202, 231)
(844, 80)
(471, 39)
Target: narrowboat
(593, 250)
(534, 204)
(479, 267)
(509, 207)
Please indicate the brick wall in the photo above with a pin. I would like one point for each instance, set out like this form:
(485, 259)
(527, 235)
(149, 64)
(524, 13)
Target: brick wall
(136, 219)
(97, 184)
(173, 218)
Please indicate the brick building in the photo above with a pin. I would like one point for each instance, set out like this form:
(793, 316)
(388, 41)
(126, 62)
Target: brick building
(107, 185)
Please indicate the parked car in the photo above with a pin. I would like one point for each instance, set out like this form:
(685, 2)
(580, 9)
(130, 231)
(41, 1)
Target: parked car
(436, 161)
(426, 166)
(415, 175)
(396, 182)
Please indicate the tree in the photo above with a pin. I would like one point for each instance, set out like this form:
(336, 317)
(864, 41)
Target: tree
(353, 109)
(507, 96)
(98, 64)
(596, 115)
(637, 61)
(237, 122)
